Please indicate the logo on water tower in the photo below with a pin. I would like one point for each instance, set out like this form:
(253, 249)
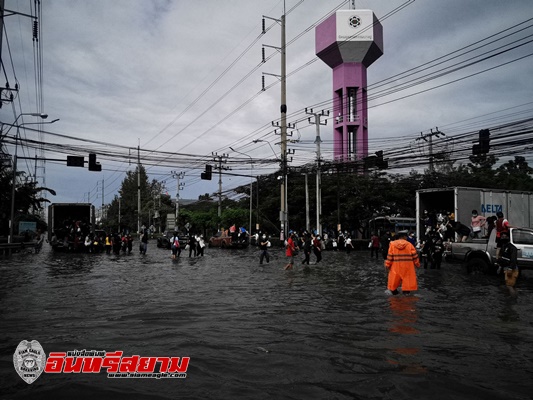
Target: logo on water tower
(29, 360)
(355, 21)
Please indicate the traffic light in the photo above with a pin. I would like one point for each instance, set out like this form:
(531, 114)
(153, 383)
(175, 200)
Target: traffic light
(75, 161)
(376, 161)
(93, 165)
(484, 143)
(484, 140)
(380, 163)
(207, 174)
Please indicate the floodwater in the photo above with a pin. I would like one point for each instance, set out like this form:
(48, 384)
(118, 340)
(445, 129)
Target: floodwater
(259, 332)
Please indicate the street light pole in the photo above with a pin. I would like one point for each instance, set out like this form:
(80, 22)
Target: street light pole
(276, 156)
(271, 148)
(251, 185)
(13, 184)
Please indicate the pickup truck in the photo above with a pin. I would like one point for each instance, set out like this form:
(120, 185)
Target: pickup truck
(479, 255)
(225, 241)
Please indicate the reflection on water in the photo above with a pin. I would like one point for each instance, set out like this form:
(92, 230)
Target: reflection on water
(257, 331)
(405, 314)
(404, 319)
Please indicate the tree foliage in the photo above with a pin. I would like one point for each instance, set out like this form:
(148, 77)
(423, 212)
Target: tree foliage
(152, 199)
(29, 201)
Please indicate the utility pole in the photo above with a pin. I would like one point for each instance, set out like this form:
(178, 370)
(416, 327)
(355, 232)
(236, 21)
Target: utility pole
(1, 25)
(139, 188)
(6, 93)
(102, 198)
(428, 138)
(119, 214)
(179, 186)
(220, 159)
(283, 109)
(283, 215)
(307, 219)
(318, 167)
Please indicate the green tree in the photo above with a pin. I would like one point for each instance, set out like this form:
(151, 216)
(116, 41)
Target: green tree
(128, 202)
(479, 172)
(28, 201)
(515, 175)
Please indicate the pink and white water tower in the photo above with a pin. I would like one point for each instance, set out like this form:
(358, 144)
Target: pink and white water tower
(349, 41)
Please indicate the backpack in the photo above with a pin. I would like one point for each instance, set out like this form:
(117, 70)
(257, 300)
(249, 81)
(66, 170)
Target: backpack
(176, 243)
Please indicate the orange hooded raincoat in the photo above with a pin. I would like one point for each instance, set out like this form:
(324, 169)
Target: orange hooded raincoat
(401, 261)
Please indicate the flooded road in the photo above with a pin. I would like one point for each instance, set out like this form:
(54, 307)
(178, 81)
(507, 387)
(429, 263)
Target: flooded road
(257, 331)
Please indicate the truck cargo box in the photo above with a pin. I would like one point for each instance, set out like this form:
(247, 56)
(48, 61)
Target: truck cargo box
(516, 206)
(62, 215)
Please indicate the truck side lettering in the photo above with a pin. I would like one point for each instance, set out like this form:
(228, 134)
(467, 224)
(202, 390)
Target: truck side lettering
(491, 208)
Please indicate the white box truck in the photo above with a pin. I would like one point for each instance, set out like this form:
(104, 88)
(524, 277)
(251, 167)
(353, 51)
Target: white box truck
(516, 206)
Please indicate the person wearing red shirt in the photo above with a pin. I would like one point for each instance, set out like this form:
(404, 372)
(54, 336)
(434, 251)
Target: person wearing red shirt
(291, 250)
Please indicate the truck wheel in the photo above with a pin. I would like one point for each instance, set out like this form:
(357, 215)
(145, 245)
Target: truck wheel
(476, 266)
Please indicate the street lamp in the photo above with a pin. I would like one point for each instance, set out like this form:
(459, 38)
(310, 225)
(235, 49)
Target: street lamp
(251, 185)
(271, 148)
(284, 187)
(13, 184)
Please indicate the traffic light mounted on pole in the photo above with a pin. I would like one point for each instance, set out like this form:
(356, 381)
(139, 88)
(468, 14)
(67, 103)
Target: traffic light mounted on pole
(376, 161)
(93, 165)
(75, 161)
(208, 172)
(483, 146)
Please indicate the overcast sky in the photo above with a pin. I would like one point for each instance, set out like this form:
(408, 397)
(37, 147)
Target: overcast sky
(184, 76)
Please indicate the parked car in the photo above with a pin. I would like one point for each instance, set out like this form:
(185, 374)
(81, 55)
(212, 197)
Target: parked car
(223, 240)
(163, 241)
(479, 255)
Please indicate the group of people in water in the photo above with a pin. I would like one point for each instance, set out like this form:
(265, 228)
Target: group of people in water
(195, 245)
(307, 242)
(400, 252)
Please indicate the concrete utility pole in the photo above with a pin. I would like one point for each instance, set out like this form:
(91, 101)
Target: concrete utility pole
(220, 159)
(283, 109)
(139, 188)
(307, 219)
(318, 161)
(103, 198)
(179, 186)
(428, 138)
(283, 214)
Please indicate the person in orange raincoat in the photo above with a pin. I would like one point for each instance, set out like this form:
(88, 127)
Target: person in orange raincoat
(401, 261)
